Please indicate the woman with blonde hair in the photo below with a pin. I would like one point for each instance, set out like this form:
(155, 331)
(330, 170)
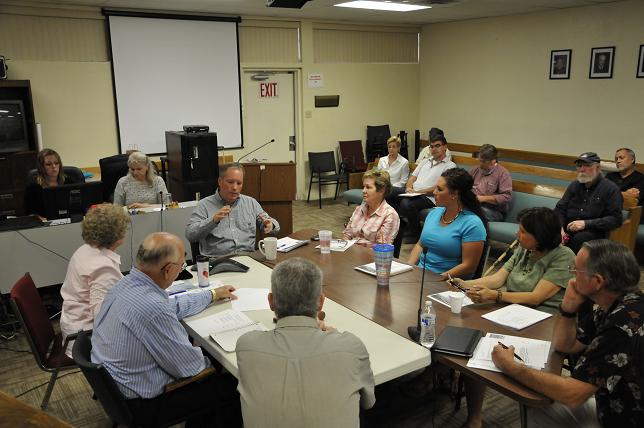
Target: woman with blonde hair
(374, 221)
(396, 165)
(49, 168)
(141, 187)
(93, 269)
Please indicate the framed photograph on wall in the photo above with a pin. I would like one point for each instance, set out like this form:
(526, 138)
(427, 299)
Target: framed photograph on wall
(560, 64)
(601, 62)
(640, 63)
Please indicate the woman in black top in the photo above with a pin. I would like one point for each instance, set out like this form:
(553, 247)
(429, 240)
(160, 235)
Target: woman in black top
(50, 174)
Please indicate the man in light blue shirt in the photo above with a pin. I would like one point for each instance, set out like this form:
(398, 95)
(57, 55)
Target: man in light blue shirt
(226, 222)
(138, 337)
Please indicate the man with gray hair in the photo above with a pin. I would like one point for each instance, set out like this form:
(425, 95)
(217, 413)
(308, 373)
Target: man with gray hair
(226, 222)
(602, 323)
(591, 205)
(629, 180)
(302, 374)
(138, 338)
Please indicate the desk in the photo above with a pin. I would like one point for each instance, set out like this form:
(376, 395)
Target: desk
(391, 356)
(18, 256)
(396, 308)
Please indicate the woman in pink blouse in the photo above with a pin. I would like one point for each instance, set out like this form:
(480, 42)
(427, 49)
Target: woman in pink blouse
(374, 221)
(93, 269)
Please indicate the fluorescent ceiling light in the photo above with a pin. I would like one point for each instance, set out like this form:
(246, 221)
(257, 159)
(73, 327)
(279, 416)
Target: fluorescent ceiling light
(379, 5)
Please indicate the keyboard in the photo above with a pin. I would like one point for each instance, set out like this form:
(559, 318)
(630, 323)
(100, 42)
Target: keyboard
(16, 223)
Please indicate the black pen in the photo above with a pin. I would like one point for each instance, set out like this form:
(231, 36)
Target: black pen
(453, 283)
(515, 354)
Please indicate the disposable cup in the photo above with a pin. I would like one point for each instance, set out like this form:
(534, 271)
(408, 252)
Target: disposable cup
(456, 301)
(325, 241)
(383, 254)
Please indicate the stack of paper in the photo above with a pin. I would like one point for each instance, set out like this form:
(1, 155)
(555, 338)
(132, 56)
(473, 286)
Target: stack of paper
(443, 298)
(534, 353)
(341, 244)
(229, 325)
(251, 299)
(396, 268)
(284, 245)
(516, 316)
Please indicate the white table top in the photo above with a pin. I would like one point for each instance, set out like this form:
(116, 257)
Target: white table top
(391, 355)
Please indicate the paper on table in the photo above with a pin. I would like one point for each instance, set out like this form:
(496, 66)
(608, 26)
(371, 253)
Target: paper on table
(410, 194)
(340, 244)
(230, 325)
(533, 352)
(516, 316)
(251, 299)
(443, 298)
(286, 244)
(180, 287)
(396, 268)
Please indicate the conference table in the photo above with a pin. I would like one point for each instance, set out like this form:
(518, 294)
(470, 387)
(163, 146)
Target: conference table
(395, 308)
(44, 251)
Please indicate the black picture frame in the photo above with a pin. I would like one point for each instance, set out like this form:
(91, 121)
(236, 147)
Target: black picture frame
(601, 62)
(640, 64)
(560, 61)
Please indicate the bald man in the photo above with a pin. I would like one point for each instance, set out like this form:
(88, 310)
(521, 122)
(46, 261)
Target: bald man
(138, 337)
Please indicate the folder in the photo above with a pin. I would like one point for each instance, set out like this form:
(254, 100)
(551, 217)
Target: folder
(459, 341)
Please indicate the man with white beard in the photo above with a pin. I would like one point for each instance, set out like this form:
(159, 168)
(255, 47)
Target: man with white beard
(591, 206)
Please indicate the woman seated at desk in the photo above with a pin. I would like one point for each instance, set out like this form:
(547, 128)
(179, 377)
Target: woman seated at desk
(49, 173)
(141, 187)
(93, 269)
(455, 231)
(396, 165)
(374, 221)
(536, 275)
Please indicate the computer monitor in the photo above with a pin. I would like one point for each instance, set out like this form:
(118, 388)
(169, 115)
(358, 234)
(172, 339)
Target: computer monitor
(13, 127)
(71, 200)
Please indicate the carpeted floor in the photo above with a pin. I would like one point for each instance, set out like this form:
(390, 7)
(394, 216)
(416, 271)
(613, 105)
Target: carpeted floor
(397, 406)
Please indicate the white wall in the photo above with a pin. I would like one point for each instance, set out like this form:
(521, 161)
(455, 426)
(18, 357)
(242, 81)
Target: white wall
(486, 81)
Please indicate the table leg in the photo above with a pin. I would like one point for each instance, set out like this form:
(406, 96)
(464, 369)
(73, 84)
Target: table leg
(523, 415)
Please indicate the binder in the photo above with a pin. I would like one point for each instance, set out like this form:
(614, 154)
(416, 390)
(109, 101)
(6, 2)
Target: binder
(459, 341)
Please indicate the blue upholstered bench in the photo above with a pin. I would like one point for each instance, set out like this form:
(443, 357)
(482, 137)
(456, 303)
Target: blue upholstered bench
(353, 196)
(505, 231)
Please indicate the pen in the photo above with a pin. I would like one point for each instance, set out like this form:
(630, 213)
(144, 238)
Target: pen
(515, 354)
(453, 283)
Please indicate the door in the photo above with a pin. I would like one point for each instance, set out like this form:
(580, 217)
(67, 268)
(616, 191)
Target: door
(268, 111)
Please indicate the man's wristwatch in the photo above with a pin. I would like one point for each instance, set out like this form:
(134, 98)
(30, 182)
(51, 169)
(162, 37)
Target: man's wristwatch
(214, 294)
(566, 314)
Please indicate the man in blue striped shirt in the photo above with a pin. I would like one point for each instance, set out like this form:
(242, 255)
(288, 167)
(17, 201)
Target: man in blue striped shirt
(140, 341)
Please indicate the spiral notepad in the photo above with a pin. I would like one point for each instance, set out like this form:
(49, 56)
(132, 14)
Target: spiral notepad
(230, 325)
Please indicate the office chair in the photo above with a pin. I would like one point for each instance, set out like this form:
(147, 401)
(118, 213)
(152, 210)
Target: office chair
(30, 311)
(112, 169)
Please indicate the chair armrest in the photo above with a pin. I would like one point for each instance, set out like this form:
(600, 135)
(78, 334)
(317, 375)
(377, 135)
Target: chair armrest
(627, 232)
(179, 383)
(73, 336)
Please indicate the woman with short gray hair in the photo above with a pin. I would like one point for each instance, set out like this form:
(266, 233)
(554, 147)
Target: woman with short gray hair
(141, 187)
(93, 269)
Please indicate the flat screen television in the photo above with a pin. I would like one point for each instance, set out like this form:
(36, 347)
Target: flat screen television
(13, 127)
(71, 200)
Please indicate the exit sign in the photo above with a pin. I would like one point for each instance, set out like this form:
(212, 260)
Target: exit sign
(267, 89)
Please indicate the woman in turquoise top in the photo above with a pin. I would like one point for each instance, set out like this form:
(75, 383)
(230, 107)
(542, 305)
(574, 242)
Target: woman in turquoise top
(455, 231)
(536, 275)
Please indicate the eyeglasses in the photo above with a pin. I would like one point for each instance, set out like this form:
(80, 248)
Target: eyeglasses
(573, 269)
(183, 266)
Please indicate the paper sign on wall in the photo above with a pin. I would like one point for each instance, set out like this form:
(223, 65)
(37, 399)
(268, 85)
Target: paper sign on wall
(316, 80)
(268, 90)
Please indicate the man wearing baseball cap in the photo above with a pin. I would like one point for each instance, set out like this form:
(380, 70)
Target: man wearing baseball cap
(591, 206)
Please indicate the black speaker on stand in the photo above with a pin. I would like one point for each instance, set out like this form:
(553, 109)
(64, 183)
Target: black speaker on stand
(193, 164)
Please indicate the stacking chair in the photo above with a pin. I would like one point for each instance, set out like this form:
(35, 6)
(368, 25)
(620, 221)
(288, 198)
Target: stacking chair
(30, 311)
(352, 156)
(323, 172)
(377, 137)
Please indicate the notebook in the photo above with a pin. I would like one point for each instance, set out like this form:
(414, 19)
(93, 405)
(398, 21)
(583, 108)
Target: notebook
(396, 268)
(230, 325)
(284, 245)
(459, 341)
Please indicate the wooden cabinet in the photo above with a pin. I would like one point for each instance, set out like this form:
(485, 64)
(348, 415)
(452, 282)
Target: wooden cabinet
(15, 166)
(273, 185)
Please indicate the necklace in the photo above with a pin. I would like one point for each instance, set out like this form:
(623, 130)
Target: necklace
(452, 220)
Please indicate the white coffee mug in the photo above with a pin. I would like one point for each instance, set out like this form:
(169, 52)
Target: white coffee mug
(268, 247)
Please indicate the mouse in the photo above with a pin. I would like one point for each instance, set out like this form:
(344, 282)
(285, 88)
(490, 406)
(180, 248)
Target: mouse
(227, 265)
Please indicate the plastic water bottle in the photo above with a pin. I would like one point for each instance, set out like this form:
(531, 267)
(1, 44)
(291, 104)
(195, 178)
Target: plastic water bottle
(428, 325)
